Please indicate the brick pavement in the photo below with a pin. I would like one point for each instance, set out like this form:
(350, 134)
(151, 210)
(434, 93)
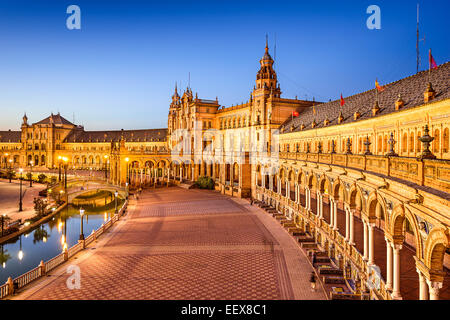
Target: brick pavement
(187, 244)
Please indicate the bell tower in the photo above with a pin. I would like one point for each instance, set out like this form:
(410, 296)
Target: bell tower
(266, 78)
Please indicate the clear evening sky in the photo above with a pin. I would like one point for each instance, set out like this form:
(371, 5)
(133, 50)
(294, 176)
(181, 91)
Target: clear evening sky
(120, 69)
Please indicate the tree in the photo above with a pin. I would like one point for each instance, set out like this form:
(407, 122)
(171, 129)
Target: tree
(39, 206)
(10, 174)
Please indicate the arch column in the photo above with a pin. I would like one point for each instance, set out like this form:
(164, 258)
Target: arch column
(347, 223)
(319, 205)
(366, 240)
(296, 192)
(352, 227)
(434, 288)
(396, 288)
(388, 264)
(335, 225)
(308, 198)
(423, 286)
(371, 228)
(271, 182)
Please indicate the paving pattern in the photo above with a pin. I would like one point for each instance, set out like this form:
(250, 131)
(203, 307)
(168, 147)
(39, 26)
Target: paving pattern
(188, 244)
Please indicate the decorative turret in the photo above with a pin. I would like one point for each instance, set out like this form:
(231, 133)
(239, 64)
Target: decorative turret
(399, 103)
(25, 120)
(340, 117)
(429, 94)
(376, 108)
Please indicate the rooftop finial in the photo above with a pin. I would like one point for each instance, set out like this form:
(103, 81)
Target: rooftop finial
(267, 43)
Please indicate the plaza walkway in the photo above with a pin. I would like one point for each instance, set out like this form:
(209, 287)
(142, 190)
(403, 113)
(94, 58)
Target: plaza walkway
(9, 198)
(187, 244)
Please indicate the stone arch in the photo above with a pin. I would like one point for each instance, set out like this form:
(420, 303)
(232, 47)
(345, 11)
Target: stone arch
(324, 185)
(435, 246)
(338, 191)
(301, 178)
(258, 175)
(399, 215)
(311, 181)
(355, 198)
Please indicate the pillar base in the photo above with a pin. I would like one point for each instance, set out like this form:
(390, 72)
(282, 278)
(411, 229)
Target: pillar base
(397, 296)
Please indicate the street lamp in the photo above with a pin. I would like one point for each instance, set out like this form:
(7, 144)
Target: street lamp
(81, 225)
(3, 222)
(106, 168)
(20, 190)
(31, 174)
(59, 168)
(60, 195)
(65, 159)
(10, 170)
(128, 170)
(115, 200)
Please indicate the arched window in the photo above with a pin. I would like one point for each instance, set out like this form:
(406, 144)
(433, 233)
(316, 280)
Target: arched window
(404, 142)
(436, 141)
(418, 143)
(380, 144)
(445, 141)
(411, 142)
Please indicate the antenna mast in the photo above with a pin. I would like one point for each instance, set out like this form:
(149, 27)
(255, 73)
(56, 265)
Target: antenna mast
(417, 41)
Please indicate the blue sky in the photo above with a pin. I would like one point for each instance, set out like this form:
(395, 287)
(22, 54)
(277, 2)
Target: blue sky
(120, 69)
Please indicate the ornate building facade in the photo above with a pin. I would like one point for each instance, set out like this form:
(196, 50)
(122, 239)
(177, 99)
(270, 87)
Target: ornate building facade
(368, 182)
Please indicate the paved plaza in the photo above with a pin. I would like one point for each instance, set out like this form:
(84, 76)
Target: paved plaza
(9, 198)
(187, 244)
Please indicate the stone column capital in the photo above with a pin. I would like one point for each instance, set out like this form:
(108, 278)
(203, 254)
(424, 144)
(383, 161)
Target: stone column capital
(434, 285)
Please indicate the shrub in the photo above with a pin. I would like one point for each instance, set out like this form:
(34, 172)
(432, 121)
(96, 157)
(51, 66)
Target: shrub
(205, 182)
(41, 178)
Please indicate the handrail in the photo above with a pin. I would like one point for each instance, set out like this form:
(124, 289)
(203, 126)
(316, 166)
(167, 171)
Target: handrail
(423, 172)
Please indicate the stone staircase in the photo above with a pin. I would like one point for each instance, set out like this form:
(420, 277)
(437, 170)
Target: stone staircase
(186, 185)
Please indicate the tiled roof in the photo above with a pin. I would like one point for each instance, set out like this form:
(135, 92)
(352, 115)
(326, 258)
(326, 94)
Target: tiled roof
(108, 136)
(410, 88)
(10, 136)
(56, 119)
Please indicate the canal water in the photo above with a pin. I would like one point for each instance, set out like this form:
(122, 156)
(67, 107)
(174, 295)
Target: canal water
(21, 254)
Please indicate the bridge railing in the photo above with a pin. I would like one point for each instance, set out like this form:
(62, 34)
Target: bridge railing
(21, 281)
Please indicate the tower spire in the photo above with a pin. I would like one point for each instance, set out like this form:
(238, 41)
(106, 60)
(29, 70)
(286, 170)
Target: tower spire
(267, 43)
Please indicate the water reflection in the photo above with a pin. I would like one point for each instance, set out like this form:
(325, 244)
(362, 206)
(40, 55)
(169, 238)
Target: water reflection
(25, 252)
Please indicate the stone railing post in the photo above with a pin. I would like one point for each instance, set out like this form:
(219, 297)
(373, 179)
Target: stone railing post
(42, 268)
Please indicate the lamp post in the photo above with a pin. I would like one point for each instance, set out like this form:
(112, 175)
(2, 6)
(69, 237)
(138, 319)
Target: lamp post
(6, 157)
(60, 195)
(3, 223)
(128, 170)
(59, 168)
(20, 190)
(106, 167)
(65, 173)
(10, 170)
(81, 224)
(115, 200)
(31, 174)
